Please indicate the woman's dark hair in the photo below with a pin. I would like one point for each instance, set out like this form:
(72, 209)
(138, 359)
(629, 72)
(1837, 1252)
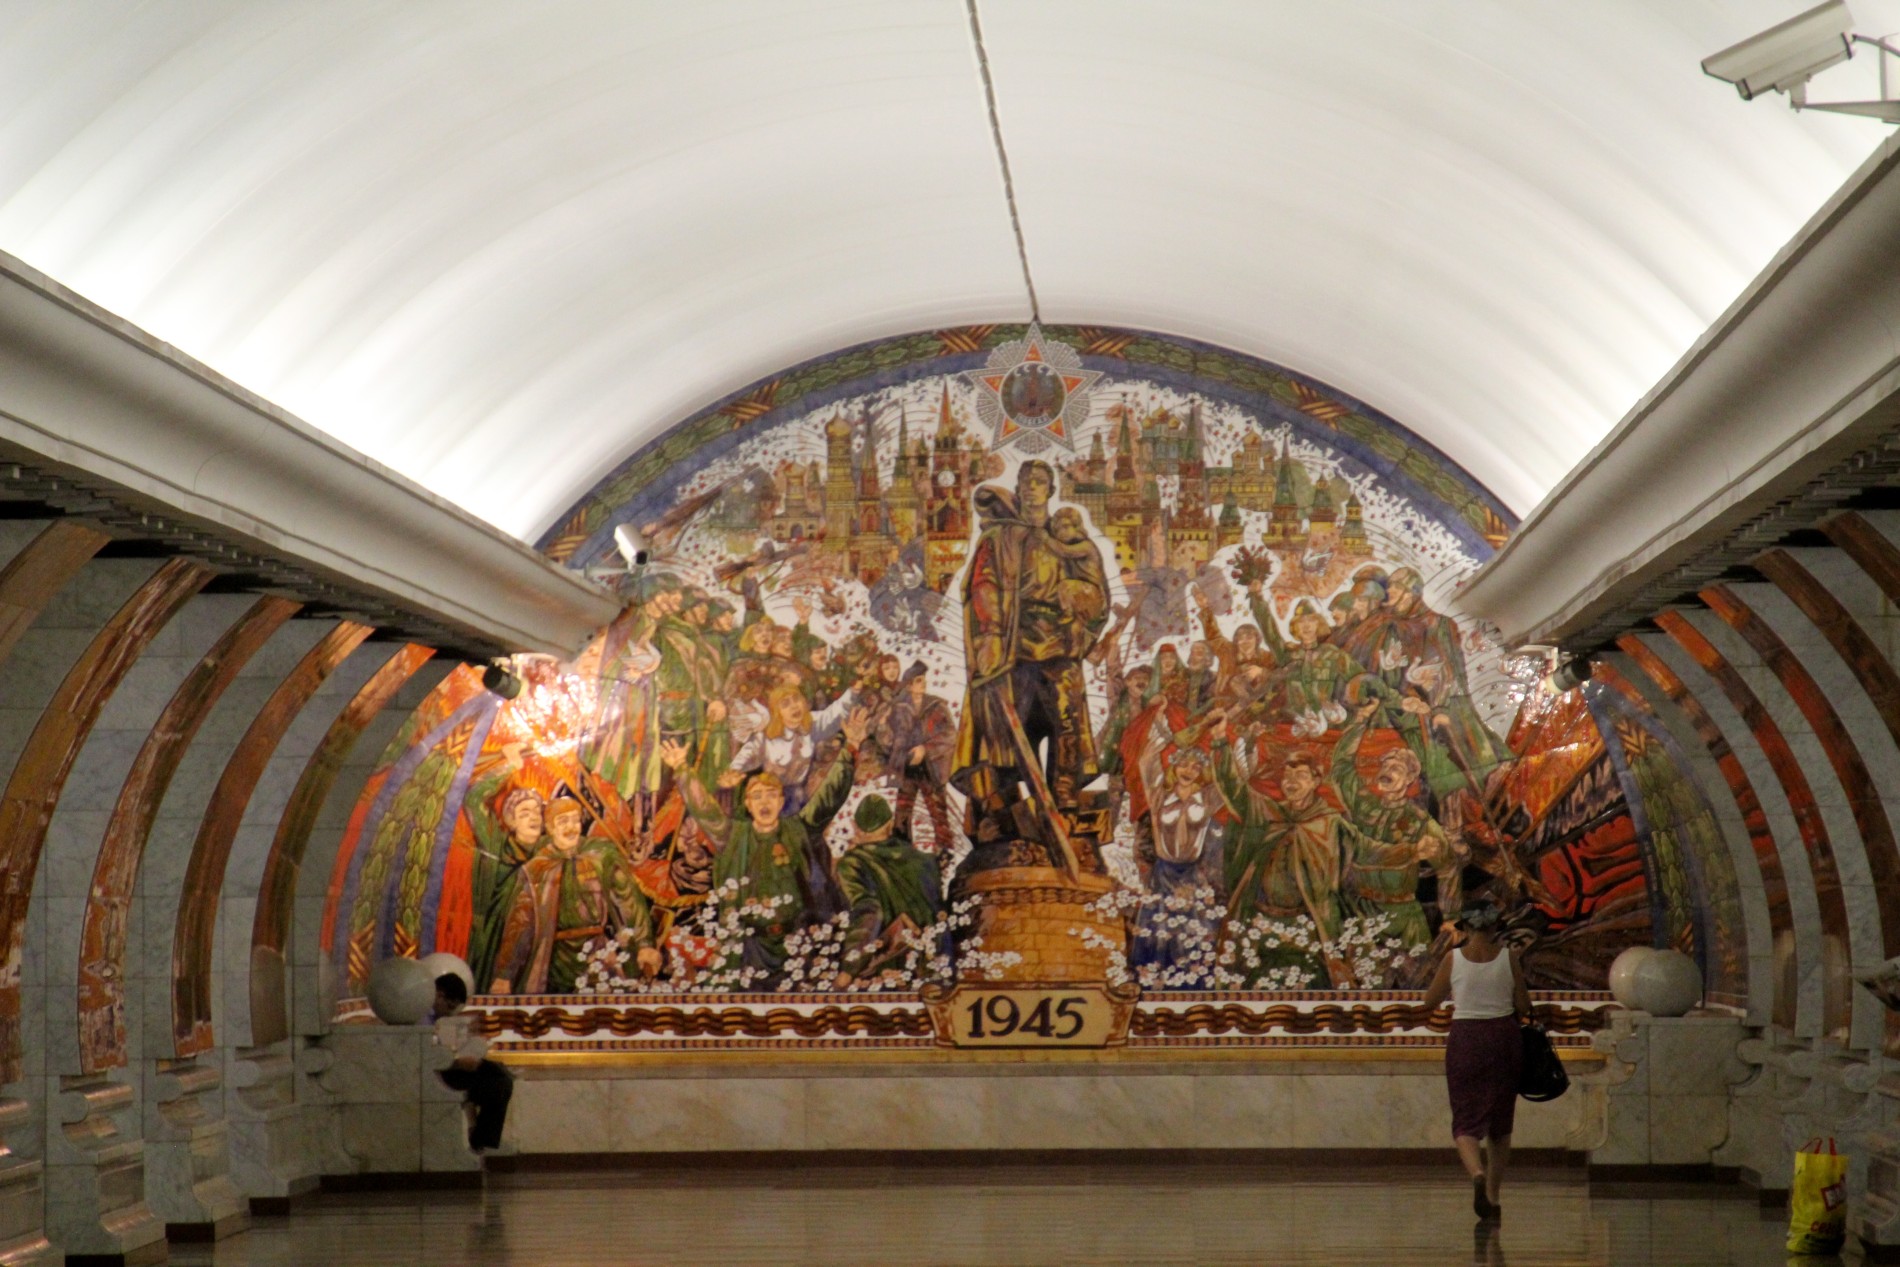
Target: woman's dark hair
(452, 987)
(1480, 917)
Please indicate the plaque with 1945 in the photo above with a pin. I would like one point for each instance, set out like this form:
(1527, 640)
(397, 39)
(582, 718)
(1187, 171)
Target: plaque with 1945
(1076, 1015)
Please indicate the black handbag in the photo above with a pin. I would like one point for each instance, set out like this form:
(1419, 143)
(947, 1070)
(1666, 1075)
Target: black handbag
(1543, 1077)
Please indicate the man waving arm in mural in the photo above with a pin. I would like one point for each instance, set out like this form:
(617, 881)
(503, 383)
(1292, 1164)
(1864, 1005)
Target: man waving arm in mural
(700, 803)
(835, 787)
(1390, 836)
(1269, 627)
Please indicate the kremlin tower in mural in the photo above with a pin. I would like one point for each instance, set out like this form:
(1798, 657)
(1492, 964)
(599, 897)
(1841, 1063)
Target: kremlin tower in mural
(862, 514)
(1146, 482)
(1123, 493)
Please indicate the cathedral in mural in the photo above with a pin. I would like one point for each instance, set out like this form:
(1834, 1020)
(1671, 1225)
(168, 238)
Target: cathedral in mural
(1067, 683)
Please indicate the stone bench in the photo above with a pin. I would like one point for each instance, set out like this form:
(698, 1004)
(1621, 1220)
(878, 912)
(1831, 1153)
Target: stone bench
(393, 1114)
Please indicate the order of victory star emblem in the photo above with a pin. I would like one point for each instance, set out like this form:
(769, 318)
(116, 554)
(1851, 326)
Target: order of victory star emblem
(1033, 393)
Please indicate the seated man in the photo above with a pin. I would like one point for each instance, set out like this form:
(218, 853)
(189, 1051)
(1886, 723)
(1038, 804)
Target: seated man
(485, 1085)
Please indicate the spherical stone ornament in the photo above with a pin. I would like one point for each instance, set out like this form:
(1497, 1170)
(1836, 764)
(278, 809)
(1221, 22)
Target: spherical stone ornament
(401, 991)
(442, 964)
(1667, 983)
(1623, 974)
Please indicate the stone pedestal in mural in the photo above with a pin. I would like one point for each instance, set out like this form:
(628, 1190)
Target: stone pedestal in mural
(1059, 926)
(95, 1175)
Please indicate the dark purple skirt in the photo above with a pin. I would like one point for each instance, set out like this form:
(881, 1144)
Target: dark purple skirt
(1483, 1060)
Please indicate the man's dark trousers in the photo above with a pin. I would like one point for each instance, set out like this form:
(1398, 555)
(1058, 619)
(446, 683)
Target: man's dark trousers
(488, 1087)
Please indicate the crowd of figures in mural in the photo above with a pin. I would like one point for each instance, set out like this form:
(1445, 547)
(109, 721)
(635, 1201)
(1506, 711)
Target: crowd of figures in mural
(1030, 620)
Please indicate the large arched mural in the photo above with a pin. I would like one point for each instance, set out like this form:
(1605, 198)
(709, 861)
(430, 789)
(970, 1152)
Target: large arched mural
(1004, 686)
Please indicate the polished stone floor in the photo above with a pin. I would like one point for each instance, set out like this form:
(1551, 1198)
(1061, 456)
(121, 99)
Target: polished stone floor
(806, 1212)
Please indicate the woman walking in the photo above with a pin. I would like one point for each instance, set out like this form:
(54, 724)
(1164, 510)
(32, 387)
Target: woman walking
(1485, 1054)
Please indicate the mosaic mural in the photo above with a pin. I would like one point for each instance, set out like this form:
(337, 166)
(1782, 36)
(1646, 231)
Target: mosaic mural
(1006, 685)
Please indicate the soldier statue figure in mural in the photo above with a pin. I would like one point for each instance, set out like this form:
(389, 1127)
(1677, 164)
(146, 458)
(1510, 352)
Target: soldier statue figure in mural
(1035, 601)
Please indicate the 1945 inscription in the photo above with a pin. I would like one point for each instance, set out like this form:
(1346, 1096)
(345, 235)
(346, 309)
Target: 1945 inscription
(1028, 1016)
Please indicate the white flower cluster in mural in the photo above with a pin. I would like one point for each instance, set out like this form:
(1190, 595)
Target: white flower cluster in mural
(1185, 941)
(817, 956)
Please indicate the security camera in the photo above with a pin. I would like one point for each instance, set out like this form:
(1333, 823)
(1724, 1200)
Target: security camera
(1568, 676)
(632, 547)
(1785, 57)
(498, 680)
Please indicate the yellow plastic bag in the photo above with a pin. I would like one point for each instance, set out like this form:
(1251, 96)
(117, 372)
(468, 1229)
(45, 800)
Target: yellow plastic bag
(1817, 1204)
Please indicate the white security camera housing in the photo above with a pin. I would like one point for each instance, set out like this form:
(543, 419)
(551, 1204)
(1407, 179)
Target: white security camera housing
(1788, 55)
(633, 550)
(1569, 675)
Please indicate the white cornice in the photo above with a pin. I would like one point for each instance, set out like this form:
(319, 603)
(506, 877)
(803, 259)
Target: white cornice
(1800, 372)
(91, 393)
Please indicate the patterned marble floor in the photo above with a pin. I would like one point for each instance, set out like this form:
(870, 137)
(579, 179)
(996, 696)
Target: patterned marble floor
(1153, 1214)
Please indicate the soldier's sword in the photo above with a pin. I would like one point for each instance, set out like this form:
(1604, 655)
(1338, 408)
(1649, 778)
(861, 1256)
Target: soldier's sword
(1025, 753)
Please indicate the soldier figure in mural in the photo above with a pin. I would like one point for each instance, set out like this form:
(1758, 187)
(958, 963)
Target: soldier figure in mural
(1414, 651)
(1286, 862)
(1035, 601)
(917, 735)
(572, 894)
(1313, 675)
(1392, 838)
(775, 860)
(891, 889)
(500, 851)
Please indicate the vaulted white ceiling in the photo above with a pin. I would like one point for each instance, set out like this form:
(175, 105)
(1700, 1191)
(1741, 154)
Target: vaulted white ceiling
(498, 246)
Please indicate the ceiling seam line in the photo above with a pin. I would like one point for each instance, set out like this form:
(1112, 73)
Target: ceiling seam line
(1002, 158)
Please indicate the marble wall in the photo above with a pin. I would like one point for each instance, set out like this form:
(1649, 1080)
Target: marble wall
(394, 1115)
(1366, 1103)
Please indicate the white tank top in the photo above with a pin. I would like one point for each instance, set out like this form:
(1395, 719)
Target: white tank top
(1482, 991)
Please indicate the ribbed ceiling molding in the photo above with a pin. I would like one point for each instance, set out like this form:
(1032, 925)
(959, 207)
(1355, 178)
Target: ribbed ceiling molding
(1783, 410)
(98, 420)
(500, 246)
